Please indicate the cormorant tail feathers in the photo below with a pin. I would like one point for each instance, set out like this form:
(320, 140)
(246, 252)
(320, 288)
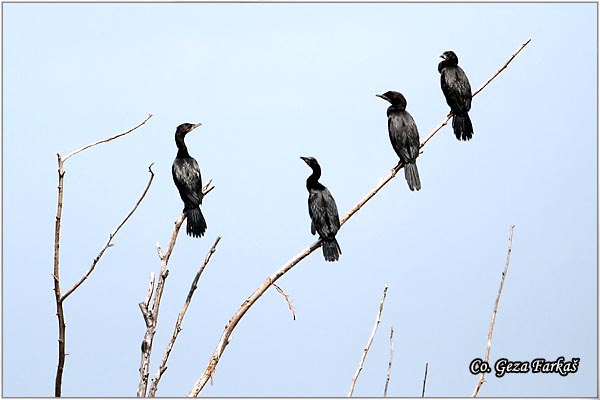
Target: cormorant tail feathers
(331, 249)
(463, 129)
(196, 225)
(411, 173)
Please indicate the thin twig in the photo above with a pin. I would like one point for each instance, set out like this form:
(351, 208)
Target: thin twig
(389, 371)
(287, 299)
(108, 139)
(235, 319)
(59, 298)
(111, 236)
(503, 67)
(424, 380)
(492, 323)
(369, 342)
(163, 365)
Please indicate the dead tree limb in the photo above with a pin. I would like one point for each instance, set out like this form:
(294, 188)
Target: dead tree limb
(389, 370)
(163, 365)
(493, 321)
(369, 342)
(59, 297)
(235, 319)
(110, 238)
(151, 314)
(424, 380)
(287, 300)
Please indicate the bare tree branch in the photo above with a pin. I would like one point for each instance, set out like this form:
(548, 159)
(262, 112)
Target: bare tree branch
(503, 67)
(108, 139)
(163, 365)
(424, 380)
(59, 298)
(491, 331)
(369, 342)
(389, 371)
(223, 341)
(151, 316)
(60, 314)
(287, 299)
(145, 305)
(110, 238)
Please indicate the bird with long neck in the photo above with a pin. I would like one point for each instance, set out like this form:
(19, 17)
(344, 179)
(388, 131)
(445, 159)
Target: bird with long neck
(188, 180)
(404, 136)
(322, 211)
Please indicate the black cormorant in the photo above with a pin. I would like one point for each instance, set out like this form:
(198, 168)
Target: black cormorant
(404, 136)
(457, 91)
(323, 212)
(187, 178)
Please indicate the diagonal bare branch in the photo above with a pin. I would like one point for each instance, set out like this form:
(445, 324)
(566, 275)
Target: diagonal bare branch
(287, 300)
(493, 322)
(424, 380)
(369, 342)
(108, 139)
(110, 238)
(223, 341)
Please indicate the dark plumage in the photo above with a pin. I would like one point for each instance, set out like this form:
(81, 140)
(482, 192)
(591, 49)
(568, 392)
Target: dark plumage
(187, 178)
(404, 136)
(457, 90)
(323, 212)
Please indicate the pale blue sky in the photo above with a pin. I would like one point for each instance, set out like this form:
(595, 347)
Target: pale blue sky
(272, 82)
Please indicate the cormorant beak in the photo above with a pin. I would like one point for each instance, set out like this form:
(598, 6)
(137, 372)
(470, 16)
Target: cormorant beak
(382, 96)
(442, 56)
(196, 125)
(304, 159)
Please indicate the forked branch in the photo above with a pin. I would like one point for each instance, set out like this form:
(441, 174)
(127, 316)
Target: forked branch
(59, 297)
(151, 314)
(163, 365)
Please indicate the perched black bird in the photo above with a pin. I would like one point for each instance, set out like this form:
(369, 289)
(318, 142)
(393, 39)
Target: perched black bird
(323, 212)
(187, 178)
(457, 91)
(404, 136)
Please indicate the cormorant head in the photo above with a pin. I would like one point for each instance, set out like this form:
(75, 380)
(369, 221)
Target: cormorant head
(395, 98)
(311, 162)
(183, 129)
(450, 57)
